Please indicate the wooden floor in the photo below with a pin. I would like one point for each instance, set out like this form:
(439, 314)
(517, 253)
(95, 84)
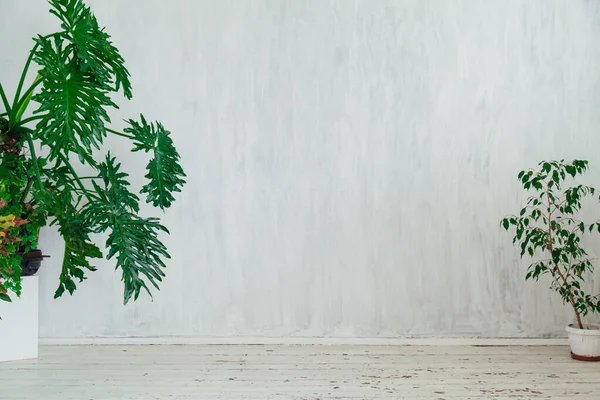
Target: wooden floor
(299, 372)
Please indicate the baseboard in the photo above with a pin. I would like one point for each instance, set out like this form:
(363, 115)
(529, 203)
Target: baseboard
(306, 341)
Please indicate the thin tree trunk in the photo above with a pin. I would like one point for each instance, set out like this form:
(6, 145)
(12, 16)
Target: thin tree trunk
(557, 268)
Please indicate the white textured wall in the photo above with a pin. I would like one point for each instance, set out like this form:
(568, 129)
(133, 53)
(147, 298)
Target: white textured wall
(348, 161)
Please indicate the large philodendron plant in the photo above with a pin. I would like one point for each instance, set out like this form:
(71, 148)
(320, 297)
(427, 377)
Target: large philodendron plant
(78, 71)
(548, 230)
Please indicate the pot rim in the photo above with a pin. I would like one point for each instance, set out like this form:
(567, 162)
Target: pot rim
(30, 255)
(584, 332)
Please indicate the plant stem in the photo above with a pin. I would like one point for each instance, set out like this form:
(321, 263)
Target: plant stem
(120, 134)
(21, 106)
(4, 99)
(26, 120)
(36, 166)
(571, 297)
(86, 192)
(26, 191)
(557, 268)
(23, 75)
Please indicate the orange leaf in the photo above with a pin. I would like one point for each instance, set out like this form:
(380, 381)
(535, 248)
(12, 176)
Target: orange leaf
(20, 221)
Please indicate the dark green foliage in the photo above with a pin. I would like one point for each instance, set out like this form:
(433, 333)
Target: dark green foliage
(79, 72)
(132, 239)
(91, 45)
(78, 249)
(547, 230)
(72, 103)
(13, 181)
(164, 172)
(116, 186)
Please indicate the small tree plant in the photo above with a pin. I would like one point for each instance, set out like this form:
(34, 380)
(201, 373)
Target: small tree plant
(548, 231)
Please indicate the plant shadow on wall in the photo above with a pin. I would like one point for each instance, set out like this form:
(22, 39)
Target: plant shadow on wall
(78, 70)
(548, 231)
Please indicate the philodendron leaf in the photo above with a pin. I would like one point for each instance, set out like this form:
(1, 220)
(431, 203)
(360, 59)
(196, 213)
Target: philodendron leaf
(133, 241)
(165, 175)
(72, 103)
(91, 45)
(116, 182)
(75, 230)
(139, 253)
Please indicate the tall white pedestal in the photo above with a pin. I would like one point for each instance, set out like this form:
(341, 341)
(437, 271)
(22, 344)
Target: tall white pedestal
(19, 325)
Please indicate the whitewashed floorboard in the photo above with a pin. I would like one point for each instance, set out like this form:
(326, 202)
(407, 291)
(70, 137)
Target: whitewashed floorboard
(299, 373)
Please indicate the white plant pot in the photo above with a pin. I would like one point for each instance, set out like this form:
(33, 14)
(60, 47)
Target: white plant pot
(585, 343)
(19, 325)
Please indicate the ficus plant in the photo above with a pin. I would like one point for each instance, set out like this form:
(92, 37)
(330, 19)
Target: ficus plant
(55, 126)
(547, 230)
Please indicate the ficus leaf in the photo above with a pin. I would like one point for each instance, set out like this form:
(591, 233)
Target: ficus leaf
(546, 167)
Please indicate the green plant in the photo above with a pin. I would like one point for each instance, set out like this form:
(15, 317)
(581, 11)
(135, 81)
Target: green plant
(547, 230)
(14, 181)
(10, 228)
(79, 71)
